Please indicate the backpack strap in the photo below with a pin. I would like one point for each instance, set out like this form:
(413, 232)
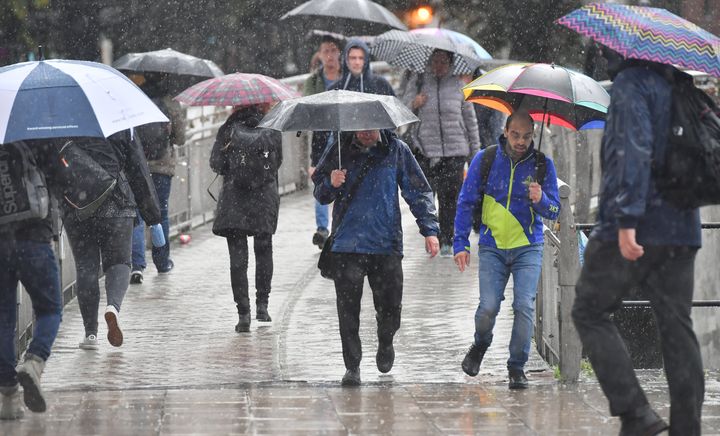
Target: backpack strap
(540, 167)
(486, 163)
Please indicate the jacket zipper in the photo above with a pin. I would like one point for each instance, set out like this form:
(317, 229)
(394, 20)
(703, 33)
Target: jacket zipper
(532, 220)
(442, 136)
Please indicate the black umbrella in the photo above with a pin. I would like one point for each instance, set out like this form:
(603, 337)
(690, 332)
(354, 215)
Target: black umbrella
(339, 110)
(342, 15)
(168, 61)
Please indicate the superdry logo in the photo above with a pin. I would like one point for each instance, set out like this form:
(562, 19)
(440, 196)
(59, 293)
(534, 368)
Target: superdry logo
(7, 188)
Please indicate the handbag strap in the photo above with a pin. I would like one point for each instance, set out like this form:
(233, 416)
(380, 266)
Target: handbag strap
(353, 189)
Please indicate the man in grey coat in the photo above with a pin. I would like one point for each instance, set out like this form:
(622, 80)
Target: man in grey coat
(447, 136)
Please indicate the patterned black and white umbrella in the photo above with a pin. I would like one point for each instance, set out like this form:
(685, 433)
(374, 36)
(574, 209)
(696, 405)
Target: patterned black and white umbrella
(413, 50)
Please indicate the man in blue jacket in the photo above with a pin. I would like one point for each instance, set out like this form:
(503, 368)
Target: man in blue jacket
(642, 241)
(511, 239)
(367, 231)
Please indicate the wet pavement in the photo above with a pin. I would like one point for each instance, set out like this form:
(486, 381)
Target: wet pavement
(184, 370)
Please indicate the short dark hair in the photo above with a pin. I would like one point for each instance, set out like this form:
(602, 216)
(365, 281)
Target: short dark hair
(331, 40)
(448, 54)
(520, 113)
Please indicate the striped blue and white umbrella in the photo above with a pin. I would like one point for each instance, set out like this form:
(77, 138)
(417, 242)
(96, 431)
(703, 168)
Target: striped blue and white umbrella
(61, 98)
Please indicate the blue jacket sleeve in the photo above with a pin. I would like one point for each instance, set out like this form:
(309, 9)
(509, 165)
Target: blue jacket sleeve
(416, 191)
(629, 132)
(469, 195)
(549, 205)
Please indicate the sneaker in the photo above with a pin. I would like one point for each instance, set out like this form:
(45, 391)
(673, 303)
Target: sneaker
(28, 374)
(89, 343)
(114, 335)
(351, 377)
(642, 421)
(446, 251)
(320, 237)
(385, 356)
(136, 277)
(261, 314)
(472, 360)
(243, 325)
(170, 266)
(517, 379)
(10, 407)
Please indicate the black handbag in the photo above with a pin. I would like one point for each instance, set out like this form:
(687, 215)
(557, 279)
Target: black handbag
(326, 261)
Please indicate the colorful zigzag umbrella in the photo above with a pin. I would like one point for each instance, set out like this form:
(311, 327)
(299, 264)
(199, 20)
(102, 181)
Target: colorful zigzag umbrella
(651, 34)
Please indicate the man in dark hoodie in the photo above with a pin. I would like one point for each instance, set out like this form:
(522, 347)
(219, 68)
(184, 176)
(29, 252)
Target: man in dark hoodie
(357, 75)
(640, 241)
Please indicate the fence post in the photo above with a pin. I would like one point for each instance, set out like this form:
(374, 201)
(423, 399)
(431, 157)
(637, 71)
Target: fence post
(568, 271)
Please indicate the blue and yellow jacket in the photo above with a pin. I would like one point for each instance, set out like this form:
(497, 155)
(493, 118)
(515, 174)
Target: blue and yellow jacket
(509, 219)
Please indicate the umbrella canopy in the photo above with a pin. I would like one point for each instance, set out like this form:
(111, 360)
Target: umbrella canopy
(60, 98)
(238, 89)
(549, 92)
(338, 15)
(339, 110)
(651, 34)
(168, 61)
(458, 37)
(412, 50)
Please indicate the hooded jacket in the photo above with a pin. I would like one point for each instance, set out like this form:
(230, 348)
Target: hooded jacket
(448, 126)
(636, 134)
(243, 210)
(372, 223)
(365, 82)
(509, 219)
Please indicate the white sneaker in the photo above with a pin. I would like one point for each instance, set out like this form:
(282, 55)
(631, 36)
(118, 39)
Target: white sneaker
(115, 336)
(89, 343)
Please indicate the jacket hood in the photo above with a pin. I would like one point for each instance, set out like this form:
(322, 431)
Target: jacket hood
(347, 75)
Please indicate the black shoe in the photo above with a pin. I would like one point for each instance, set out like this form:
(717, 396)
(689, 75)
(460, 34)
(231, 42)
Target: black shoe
(320, 237)
(351, 377)
(472, 360)
(261, 314)
(517, 379)
(244, 323)
(643, 421)
(136, 277)
(385, 356)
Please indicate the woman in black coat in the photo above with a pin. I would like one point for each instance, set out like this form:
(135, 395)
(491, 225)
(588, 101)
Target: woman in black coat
(248, 158)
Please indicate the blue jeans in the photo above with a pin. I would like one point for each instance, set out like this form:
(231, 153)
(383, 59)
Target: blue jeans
(34, 265)
(495, 268)
(322, 215)
(160, 255)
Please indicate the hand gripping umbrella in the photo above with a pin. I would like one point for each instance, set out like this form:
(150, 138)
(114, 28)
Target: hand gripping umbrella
(61, 98)
(339, 110)
(548, 92)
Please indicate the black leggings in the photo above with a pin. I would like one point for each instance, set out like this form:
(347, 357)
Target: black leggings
(446, 179)
(238, 247)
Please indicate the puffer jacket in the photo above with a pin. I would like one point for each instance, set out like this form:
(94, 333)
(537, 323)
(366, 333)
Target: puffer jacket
(448, 126)
(242, 210)
(509, 219)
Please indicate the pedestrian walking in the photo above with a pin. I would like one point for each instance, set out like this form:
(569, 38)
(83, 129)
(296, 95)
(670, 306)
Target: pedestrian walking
(157, 140)
(321, 80)
(511, 238)
(367, 233)
(105, 236)
(26, 255)
(357, 75)
(447, 136)
(640, 241)
(248, 158)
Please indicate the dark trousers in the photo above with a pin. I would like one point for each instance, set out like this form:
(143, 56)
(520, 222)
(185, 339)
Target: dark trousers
(97, 241)
(665, 274)
(446, 179)
(238, 247)
(385, 276)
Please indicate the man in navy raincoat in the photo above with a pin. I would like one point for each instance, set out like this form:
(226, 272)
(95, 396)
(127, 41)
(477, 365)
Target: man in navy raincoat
(367, 231)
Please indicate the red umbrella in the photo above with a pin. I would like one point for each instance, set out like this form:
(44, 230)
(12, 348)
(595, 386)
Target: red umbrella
(238, 89)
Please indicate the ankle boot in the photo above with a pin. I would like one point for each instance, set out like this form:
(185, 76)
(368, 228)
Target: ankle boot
(243, 324)
(261, 313)
(10, 407)
(28, 374)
